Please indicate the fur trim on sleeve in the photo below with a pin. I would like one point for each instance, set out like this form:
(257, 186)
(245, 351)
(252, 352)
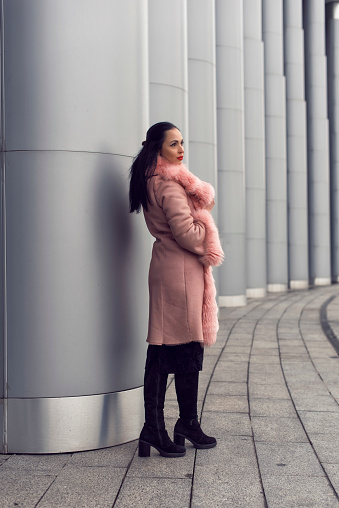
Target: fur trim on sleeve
(214, 254)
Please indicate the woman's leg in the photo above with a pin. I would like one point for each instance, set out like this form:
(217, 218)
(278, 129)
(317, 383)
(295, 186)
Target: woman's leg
(188, 427)
(154, 432)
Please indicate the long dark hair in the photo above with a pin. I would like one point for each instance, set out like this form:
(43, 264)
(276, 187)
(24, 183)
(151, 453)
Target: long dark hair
(144, 165)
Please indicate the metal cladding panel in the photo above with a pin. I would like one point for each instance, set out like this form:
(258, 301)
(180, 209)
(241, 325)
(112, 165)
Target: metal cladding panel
(2, 293)
(70, 424)
(76, 74)
(168, 43)
(77, 265)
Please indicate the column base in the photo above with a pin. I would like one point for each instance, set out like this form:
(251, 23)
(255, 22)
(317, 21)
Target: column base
(71, 424)
(277, 288)
(256, 292)
(322, 281)
(299, 284)
(232, 301)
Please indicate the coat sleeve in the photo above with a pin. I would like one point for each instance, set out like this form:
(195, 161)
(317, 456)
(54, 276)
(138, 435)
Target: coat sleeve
(187, 231)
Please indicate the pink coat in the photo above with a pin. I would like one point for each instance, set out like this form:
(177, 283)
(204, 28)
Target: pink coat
(186, 243)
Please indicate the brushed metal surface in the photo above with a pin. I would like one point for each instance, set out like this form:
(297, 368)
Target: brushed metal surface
(57, 425)
(76, 75)
(76, 276)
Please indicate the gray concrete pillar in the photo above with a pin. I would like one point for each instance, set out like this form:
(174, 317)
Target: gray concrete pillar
(231, 163)
(74, 262)
(255, 150)
(317, 142)
(202, 89)
(275, 122)
(332, 47)
(167, 25)
(294, 59)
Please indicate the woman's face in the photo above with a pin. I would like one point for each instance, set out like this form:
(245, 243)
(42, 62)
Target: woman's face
(173, 146)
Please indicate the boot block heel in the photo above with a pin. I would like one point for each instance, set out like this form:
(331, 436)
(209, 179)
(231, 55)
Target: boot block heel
(144, 449)
(179, 440)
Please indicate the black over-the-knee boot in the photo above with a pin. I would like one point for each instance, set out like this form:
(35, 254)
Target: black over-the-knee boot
(154, 432)
(188, 427)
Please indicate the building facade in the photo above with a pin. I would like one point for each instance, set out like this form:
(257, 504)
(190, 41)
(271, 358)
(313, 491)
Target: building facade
(254, 87)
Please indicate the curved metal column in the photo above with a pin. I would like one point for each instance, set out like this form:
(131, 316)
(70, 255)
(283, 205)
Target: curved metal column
(255, 150)
(317, 142)
(275, 121)
(296, 145)
(75, 291)
(332, 46)
(168, 64)
(231, 164)
(202, 89)
(202, 112)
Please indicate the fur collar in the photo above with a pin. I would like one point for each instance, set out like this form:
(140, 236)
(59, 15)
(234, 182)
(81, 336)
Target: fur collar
(201, 193)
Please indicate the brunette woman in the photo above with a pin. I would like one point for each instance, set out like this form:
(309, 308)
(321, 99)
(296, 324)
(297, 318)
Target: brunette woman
(182, 308)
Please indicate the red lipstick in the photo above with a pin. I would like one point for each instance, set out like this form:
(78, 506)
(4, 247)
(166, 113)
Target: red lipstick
(180, 158)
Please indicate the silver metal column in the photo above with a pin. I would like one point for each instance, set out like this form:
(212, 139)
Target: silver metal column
(74, 296)
(231, 163)
(296, 144)
(202, 89)
(317, 142)
(332, 48)
(168, 63)
(275, 120)
(255, 150)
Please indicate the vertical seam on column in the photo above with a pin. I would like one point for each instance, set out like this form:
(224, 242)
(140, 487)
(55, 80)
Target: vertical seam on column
(4, 238)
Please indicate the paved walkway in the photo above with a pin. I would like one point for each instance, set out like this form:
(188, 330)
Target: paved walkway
(269, 392)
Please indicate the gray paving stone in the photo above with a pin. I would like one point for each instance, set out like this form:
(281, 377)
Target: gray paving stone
(234, 357)
(220, 425)
(288, 459)
(287, 358)
(157, 466)
(227, 388)
(226, 403)
(22, 488)
(215, 489)
(233, 455)
(84, 486)
(302, 387)
(154, 492)
(116, 456)
(332, 471)
(264, 359)
(326, 449)
(265, 378)
(272, 407)
(314, 402)
(222, 374)
(265, 391)
(320, 422)
(238, 349)
(297, 491)
(278, 430)
(40, 464)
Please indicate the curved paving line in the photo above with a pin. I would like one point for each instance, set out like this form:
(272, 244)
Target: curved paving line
(210, 380)
(276, 300)
(280, 300)
(327, 329)
(287, 387)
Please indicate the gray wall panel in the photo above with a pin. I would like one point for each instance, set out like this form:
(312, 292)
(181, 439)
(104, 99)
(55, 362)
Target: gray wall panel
(167, 28)
(332, 49)
(317, 141)
(62, 61)
(74, 277)
(296, 144)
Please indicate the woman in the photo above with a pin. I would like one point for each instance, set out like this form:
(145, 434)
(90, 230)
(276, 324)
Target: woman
(182, 311)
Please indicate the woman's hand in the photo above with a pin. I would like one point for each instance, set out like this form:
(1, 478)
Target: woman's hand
(209, 207)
